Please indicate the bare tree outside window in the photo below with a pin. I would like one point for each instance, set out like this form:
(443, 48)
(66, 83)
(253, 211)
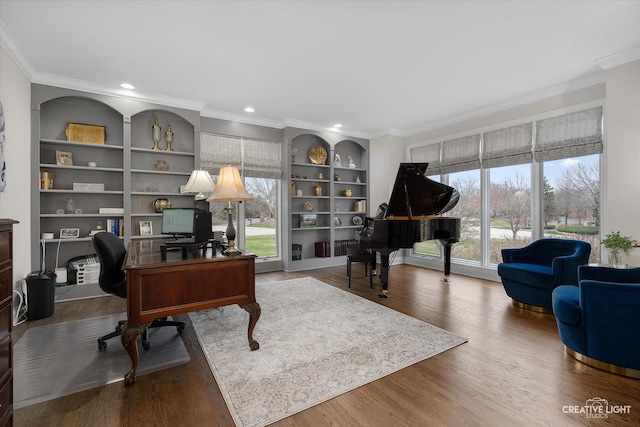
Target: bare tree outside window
(575, 212)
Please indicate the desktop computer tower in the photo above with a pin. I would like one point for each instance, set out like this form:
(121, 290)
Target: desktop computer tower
(202, 226)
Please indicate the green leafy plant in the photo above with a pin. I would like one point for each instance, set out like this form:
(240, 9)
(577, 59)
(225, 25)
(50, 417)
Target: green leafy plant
(616, 242)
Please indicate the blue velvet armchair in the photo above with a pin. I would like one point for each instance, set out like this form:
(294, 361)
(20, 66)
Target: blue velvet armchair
(598, 321)
(530, 274)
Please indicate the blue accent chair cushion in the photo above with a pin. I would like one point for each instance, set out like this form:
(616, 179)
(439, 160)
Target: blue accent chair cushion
(531, 273)
(600, 318)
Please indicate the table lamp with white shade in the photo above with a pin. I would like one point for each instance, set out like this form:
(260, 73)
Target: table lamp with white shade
(229, 188)
(199, 182)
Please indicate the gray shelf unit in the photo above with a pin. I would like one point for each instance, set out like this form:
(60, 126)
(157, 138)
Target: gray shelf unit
(334, 211)
(125, 163)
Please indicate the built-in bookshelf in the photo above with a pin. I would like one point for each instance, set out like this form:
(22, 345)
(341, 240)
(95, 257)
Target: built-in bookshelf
(328, 196)
(106, 175)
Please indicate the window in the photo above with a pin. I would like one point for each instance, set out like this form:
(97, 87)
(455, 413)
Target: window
(256, 220)
(519, 183)
(571, 200)
(469, 210)
(510, 209)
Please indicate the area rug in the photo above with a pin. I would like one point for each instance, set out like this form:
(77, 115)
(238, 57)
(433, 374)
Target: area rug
(316, 342)
(60, 359)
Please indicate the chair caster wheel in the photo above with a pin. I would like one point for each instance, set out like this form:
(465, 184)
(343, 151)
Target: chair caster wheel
(146, 346)
(102, 346)
(180, 329)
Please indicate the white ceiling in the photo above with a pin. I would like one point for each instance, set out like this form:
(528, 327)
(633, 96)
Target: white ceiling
(377, 67)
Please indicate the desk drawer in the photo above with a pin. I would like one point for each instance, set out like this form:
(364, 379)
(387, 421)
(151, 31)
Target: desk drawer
(6, 319)
(5, 246)
(6, 282)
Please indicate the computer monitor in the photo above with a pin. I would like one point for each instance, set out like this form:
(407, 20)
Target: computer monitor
(187, 222)
(178, 221)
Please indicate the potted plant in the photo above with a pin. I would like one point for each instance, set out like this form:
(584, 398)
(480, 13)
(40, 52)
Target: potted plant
(616, 243)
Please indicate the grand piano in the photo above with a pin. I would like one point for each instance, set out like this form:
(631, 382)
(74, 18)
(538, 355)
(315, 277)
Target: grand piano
(412, 215)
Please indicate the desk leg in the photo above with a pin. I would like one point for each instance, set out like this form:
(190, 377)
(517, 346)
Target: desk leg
(129, 340)
(254, 311)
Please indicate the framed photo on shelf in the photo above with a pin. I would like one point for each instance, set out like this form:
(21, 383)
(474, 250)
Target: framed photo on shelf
(64, 158)
(69, 233)
(308, 220)
(146, 228)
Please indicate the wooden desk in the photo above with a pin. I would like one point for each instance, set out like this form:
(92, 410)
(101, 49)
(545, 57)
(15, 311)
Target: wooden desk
(158, 288)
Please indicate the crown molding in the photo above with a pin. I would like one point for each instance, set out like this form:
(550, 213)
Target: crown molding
(9, 44)
(528, 98)
(85, 86)
(620, 58)
(318, 128)
(224, 115)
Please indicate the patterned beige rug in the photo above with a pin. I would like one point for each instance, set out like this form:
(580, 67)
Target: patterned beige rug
(316, 342)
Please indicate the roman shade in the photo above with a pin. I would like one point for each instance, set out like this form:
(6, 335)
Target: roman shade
(507, 147)
(460, 154)
(570, 135)
(427, 154)
(217, 151)
(256, 158)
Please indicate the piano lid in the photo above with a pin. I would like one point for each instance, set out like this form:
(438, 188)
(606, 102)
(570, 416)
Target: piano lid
(415, 195)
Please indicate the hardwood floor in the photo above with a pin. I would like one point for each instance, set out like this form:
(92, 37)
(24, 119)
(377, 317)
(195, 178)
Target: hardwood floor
(513, 370)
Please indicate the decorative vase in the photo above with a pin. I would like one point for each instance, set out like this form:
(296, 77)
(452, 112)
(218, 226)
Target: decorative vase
(614, 258)
(160, 204)
(318, 190)
(156, 132)
(347, 192)
(69, 205)
(168, 137)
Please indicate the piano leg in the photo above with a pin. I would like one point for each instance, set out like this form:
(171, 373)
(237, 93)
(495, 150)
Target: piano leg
(384, 273)
(447, 259)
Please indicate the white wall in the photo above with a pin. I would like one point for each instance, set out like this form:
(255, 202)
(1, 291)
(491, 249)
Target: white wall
(622, 128)
(385, 154)
(15, 95)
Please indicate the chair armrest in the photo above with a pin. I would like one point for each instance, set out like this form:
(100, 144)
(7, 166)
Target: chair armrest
(565, 301)
(609, 274)
(523, 254)
(565, 269)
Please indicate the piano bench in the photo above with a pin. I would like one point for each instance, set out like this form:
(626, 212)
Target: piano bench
(361, 255)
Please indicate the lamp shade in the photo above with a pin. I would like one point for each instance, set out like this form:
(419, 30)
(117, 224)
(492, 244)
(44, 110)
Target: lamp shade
(229, 187)
(199, 182)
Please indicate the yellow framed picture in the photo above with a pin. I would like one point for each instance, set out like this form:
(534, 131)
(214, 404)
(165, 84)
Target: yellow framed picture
(64, 158)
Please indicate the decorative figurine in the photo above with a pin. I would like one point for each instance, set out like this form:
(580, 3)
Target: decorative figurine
(156, 134)
(336, 161)
(294, 153)
(351, 164)
(168, 136)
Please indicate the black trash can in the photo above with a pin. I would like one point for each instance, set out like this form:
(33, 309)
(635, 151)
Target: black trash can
(41, 291)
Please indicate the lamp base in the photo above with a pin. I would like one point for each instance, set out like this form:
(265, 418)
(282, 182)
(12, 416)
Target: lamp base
(230, 251)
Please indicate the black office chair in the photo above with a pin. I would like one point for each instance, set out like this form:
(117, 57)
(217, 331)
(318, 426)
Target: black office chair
(113, 280)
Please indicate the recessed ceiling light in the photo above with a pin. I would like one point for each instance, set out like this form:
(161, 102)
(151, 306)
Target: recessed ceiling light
(334, 129)
(127, 86)
(337, 125)
(249, 109)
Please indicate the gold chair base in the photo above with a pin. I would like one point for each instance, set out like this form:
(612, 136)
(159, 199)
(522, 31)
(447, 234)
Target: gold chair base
(534, 308)
(598, 364)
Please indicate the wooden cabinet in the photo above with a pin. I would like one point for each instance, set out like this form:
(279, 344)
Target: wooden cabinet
(110, 185)
(327, 198)
(6, 321)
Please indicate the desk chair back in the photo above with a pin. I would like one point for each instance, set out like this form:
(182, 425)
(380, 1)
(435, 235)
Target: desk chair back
(111, 252)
